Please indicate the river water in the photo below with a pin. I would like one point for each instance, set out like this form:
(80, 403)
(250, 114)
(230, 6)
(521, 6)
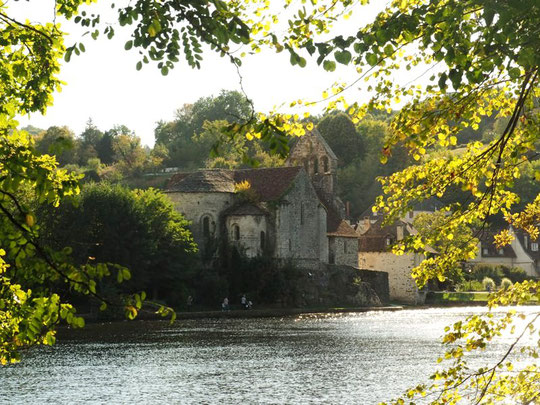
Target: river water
(321, 359)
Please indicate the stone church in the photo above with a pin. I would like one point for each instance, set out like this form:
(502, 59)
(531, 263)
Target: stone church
(288, 213)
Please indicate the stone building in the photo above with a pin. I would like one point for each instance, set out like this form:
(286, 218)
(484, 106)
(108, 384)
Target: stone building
(313, 153)
(277, 212)
(288, 213)
(375, 254)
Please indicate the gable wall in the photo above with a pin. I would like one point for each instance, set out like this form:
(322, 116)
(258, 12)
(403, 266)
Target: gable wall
(310, 153)
(300, 222)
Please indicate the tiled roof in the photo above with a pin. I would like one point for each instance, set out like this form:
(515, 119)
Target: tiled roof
(269, 184)
(204, 181)
(374, 239)
(246, 209)
(335, 225)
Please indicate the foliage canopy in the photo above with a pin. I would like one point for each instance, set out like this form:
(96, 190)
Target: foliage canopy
(484, 61)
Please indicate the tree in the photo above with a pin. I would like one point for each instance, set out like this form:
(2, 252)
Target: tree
(58, 141)
(183, 137)
(486, 50)
(139, 230)
(340, 133)
(29, 66)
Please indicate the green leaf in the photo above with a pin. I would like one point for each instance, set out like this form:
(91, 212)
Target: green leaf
(343, 57)
(371, 59)
(329, 66)
(128, 45)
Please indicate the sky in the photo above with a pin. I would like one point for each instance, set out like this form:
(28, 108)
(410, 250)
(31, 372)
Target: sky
(103, 84)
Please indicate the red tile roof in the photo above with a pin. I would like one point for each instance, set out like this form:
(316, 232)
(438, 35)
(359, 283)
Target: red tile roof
(269, 183)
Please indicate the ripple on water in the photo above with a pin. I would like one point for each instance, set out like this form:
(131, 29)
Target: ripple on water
(347, 359)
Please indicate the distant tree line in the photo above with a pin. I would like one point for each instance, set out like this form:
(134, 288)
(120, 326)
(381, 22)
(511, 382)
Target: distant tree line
(193, 140)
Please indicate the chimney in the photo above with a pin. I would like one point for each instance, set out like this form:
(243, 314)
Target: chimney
(367, 223)
(399, 232)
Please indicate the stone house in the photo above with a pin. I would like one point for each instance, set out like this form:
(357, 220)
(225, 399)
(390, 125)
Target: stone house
(287, 213)
(375, 254)
(279, 214)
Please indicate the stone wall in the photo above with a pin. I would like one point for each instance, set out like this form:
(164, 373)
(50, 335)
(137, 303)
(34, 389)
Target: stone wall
(252, 232)
(333, 285)
(299, 222)
(343, 250)
(196, 206)
(401, 284)
(378, 280)
(310, 152)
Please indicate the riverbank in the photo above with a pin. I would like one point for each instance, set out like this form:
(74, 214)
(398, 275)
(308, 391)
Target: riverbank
(279, 312)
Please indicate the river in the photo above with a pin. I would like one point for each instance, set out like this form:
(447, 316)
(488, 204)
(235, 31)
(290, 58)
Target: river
(359, 358)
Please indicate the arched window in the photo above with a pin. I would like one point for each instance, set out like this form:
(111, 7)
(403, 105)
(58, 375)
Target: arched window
(263, 239)
(236, 232)
(315, 166)
(325, 164)
(206, 226)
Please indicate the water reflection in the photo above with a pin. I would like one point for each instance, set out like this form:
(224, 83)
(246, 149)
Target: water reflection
(346, 359)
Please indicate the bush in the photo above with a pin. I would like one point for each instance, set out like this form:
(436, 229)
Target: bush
(472, 285)
(479, 272)
(506, 283)
(515, 274)
(488, 283)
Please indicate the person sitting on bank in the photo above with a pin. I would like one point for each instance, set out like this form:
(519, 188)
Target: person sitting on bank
(225, 304)
(244, 302)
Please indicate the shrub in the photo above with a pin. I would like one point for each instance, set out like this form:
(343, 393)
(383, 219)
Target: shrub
(488, 284)
(515, 274)
(471, 285)
(506, 283)
(480, 272)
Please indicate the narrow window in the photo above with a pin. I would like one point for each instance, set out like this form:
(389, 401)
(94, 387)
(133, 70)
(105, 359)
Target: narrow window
(206, 227)
(388, 241)
(526, 241)
(411, 214)
(290, 245)
(501, 252)
(263, 241)
(236, 232)
(485, 251)
(534, 247)
(301, 213)
(345, 246)
(315, 166)
(325, 164)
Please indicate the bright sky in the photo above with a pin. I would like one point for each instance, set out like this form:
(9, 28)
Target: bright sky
(104, 85)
